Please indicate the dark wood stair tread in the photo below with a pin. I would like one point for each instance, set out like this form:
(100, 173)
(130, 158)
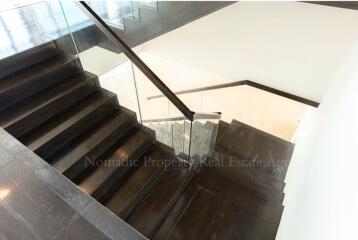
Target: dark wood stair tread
(176, 212)
(32, 72)
(254, 147)
(66, 126)
(94, 145)
(27, 58)
(253, 143)
(208, 217)
(11, 115)
(138, 183)
(113, 169)
(237, 124)
(150, 213)
(252, 178)
(26, 84)
(44, 105)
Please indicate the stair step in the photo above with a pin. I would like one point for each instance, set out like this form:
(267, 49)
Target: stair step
(252, 178)
(209, 217)
(237, 124)
(94, 145)
(224, 138)
(30, 113)
(269, 153)
(65, 127)
(150, 213)
(104, 178)
(30, 81)
(22, 60)
(263, 151)
(139, 183)
(176, 212)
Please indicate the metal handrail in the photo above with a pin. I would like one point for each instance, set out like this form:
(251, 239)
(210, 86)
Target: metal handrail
(135, 59)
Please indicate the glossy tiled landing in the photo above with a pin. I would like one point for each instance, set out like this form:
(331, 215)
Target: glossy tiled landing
(215, 208)
(36, 202)
(227, 201)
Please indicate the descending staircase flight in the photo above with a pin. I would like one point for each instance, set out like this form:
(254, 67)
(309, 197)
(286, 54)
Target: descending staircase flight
(62, 114)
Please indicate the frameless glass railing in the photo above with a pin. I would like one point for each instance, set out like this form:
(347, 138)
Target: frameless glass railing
(113, 12)
(102, 52)
(31, 24)
(26, 26)
(82, 31)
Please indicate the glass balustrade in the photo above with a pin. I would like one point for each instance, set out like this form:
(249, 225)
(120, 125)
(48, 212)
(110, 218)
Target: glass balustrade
(78, 34)
(30, 25)
(192, 136)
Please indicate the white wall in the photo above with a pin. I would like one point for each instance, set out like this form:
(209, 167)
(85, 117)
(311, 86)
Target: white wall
(321, 193)
(100, 61)
(292, 46)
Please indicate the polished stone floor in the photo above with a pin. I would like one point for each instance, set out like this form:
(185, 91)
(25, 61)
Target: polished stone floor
(37, 202)
(230, 201)
(221, 201)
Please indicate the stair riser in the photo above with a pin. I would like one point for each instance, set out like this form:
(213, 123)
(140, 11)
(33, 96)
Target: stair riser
(83, 163)
(146, 188)
(171, 203)
(30, 88)
(48, 150)
(39, 116)
(25, 59)
(263, 185)
(108, 186)
(175, 213)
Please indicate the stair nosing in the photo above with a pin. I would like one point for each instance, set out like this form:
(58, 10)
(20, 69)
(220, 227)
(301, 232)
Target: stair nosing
(48, 101)
(129, 121)
(66, 62)
(122, 160)
(69, 123)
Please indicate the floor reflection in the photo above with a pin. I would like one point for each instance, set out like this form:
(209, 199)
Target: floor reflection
(4, 193)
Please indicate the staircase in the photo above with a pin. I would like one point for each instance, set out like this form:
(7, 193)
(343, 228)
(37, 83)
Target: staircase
(62, 114)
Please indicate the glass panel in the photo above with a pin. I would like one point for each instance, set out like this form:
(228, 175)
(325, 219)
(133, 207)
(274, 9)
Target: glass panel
(101, 57)
(113, 12)
(27, 26)
(190, 140)
(118, 74)
(162, 116)
(203, 137)
(76, 35)
(148, 4)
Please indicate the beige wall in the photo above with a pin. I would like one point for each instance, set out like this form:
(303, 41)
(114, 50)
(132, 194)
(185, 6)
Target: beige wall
(293, 46)
(268, 112)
